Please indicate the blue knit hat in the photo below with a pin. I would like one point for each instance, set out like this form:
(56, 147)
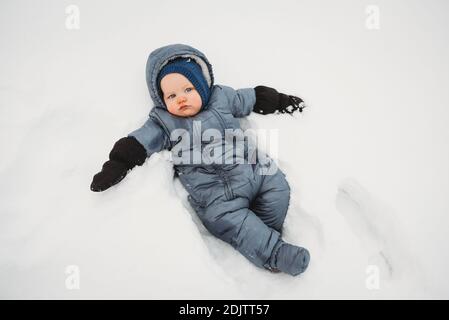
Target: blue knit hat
(192, 71)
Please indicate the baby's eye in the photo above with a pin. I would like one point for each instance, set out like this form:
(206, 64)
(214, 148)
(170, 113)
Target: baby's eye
(189, 89)
(170, 96)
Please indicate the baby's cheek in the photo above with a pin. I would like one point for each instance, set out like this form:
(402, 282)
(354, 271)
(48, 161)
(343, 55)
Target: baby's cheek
(172, 108)
(198, 100)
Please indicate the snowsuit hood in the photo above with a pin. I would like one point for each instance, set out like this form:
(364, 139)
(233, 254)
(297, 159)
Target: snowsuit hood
(161, 56)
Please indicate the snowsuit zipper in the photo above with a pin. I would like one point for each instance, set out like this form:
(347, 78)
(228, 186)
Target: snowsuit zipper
(222, 173)
(227, 186)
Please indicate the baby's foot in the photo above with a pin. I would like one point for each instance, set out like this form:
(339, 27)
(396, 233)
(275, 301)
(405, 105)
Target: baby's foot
(291, 259)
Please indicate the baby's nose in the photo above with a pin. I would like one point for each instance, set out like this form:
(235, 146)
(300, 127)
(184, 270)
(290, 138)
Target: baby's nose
(181, 99)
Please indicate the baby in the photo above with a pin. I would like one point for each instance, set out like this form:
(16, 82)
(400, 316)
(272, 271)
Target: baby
(240, 201)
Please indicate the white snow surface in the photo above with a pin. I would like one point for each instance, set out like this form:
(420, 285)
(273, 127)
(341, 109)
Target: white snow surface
(367, 161)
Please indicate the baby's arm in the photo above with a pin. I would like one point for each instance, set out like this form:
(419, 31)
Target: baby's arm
(241, 101)
(261, 99)
(129, 152)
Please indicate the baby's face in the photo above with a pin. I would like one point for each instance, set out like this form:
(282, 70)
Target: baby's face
(180, 96)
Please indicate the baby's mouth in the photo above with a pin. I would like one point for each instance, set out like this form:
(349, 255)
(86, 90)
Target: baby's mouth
(183, 107)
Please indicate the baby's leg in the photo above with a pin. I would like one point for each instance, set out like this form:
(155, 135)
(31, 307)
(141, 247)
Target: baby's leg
(271, 205)
(272, 200)
(233, 222)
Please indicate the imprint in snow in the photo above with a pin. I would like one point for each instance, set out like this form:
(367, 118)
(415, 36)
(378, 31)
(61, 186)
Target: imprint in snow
(376, 227)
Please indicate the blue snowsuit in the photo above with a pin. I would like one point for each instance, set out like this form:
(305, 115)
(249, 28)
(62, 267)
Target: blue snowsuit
(234, 201)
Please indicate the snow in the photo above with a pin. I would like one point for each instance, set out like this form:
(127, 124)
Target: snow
(366, 161)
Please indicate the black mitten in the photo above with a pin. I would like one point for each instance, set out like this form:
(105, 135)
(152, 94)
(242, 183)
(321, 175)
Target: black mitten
(268, 100)
(125, 155)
